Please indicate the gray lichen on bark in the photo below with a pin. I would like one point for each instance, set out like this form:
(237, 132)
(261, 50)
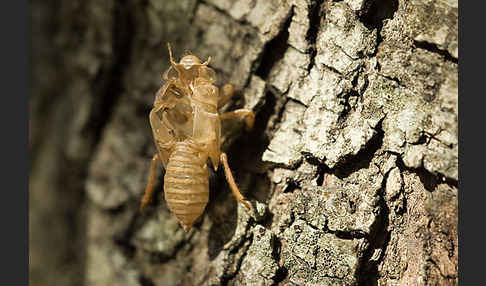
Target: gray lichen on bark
(351, 168)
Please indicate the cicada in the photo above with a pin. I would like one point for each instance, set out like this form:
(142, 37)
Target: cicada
(186, 127)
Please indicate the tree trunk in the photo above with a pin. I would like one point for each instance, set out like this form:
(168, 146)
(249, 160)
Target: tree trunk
(351, 168)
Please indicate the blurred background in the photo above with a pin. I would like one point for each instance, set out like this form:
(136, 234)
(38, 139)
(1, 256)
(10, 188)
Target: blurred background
(81, 51)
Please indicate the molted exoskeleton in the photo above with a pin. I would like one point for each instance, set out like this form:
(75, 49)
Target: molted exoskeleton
(186, 127)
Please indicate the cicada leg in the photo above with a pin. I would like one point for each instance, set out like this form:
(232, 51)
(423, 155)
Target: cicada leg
(227, 92)
(231, 181)
(247, 114)
(149, 190)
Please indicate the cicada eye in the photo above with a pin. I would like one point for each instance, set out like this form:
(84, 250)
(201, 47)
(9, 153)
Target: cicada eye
(207, 73)
(170, 74)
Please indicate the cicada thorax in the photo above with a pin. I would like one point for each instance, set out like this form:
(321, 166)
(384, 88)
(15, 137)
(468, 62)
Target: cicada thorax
(207, 124)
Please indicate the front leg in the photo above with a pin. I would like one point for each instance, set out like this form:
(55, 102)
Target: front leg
(227, 92)
(149, 190)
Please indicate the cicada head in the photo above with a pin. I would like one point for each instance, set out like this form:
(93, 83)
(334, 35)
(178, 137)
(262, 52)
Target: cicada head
(189, 68)
(189, 61)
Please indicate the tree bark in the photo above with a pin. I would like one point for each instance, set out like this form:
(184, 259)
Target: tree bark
(351, 168)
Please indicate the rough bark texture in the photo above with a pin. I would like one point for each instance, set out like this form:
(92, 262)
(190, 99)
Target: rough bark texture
(352, 167)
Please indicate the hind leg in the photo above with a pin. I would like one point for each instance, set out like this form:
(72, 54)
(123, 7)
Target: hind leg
(231, 181)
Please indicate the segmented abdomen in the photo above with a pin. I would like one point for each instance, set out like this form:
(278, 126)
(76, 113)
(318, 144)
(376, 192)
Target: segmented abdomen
(186, 183)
